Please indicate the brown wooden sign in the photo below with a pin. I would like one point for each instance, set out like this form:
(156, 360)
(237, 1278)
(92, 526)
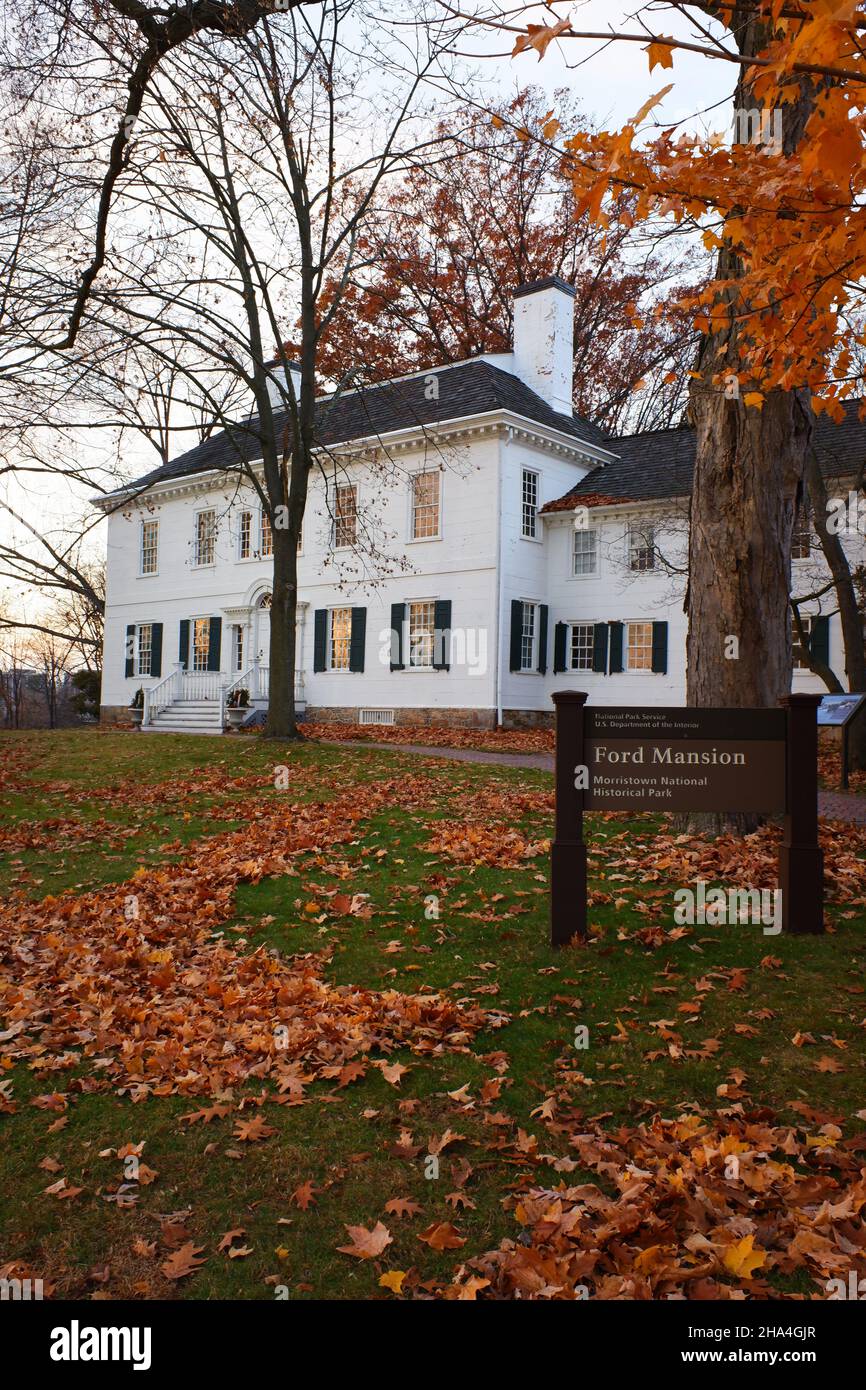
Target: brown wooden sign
(685, 759)
(722, 760)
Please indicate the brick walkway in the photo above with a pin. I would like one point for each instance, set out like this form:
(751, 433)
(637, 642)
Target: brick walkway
(833, 805)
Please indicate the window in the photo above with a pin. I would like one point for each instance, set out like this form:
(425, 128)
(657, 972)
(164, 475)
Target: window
(800, 662)
(422, 621)
(149, 547)
(641, 547)
(345, 515)
(801, 541)
(341, 638)
(528, 635)
(245, 535)
(582, 646)
(205, 538)
(529, 511)
(639, 647)
(143, 649)
(267, 536)
(425, 506)
(200, 643)
(238, 657)
(585, 552)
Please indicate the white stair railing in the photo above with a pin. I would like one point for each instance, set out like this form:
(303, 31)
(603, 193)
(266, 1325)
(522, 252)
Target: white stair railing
(158, 697)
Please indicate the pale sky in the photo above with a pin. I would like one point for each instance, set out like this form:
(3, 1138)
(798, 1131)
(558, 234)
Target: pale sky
(611, 81)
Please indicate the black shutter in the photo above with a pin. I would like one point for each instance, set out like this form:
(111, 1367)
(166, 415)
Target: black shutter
(660, 648)
(542, 639)
(819, 640)
(320, 640)
(599, 648)
(183, 644)
(358, 641)
(130, 649)
(398, 618)
(214, 642)
(516, 633)
(560, 639)
(442, 634)
(615, 648)
(156, 650)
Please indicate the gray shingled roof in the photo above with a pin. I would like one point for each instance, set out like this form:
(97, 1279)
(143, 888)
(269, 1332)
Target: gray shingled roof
(660, 463)
(466, 389)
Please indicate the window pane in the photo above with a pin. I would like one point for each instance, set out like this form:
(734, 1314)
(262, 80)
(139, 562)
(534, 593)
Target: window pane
(585, 552)
(345, 515)
(582, 644)
(801, 542)
(530, 503)
(205, 533)
(527, 638)
(421, 634)
(800, 663)
(149, 546)
(267, 547)
(425, 505)
(145, 649)
(641, 545)
(341, 636)
(200, 643)
(245, 539)
(640, 647)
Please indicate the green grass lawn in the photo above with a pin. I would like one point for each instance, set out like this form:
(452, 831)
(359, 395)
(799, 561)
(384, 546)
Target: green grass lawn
(732, 999)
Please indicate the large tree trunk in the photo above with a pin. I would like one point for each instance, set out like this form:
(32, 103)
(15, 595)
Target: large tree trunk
(749, 471)
(281, 721)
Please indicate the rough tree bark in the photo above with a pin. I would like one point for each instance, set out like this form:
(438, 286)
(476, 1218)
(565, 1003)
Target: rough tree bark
(749, 472)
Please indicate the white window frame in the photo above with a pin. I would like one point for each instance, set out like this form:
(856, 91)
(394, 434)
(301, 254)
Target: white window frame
(584, 574)
(341, 608)
(581, 623)
(335, 525)
(413, 481)
(641, 540)
(198, 563)
(248, 513)
(428, 633)
(526, 473)
(626, 663)
(238, 646)
(266, 530)
(532, 668)
(138, 669)
(193, 652)
(148, 573)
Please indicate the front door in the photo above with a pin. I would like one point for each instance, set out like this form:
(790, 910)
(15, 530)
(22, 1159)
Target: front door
(263, 630)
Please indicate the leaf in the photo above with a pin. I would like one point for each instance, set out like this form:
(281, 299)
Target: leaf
(229, 1237)
(661, 53)
(402, 1206)
(252, 1131)
(303, 1196)
(393, 1280)
(540, 36)
(639, 116)
(754, 399)
(441, 1236)
(366, 1245)
(183, 1262)
(742, 1259)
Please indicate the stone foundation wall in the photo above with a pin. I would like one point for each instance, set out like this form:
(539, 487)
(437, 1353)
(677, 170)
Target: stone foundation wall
(113, 715)
(527, 719)
(433, 717)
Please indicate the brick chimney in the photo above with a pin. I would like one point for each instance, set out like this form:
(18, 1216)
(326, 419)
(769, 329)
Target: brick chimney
(544, 340)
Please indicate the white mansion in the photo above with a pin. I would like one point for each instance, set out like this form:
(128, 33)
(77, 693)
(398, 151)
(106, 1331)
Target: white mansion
(469, 546)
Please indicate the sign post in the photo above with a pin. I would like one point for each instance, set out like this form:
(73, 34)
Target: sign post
(568, 851)
(687, 759)
(801, 860)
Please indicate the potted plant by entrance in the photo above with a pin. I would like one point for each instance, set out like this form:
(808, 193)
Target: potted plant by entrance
(136, 707)
(237, 707)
